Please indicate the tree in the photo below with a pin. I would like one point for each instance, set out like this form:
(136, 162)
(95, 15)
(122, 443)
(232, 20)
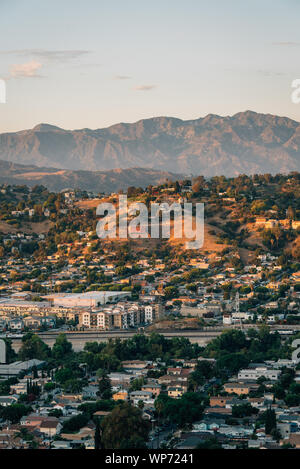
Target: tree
(97, 438)
(33, 347)
(125, 428)
(137, 384)
(243, 410)
(73, 385)
(105, 387)
(75, 423)
(62, 347)
(141, 404)
(210, 443)
(170, 292)
(11, 355)
(55, 413)
(14, 412)
(34, 372)
(49, 386)
(231, 341)
(203, 371)
(63, 375)
(185, 410)
(232, 362)
(270, 420)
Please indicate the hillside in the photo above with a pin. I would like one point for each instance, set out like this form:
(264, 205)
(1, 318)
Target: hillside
(243, 217)
(96, 181)
(247, 142)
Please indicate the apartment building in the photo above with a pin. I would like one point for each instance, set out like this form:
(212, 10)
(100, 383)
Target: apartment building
(21, 308)
(123, 315)
(95, 319)
(127, 315)
(153, 312)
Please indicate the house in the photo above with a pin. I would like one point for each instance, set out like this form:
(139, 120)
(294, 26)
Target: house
(155, 389)
(16, 324)
(219, 401)
(8, 400)
(218, 411)
(61, 407)
(50, 426)
(123, 379)
(20, 387)
(174, 371)
(176, 391)
(192, 439)
(33, 322)
(90, 391)
(68, 399)
(60, 444)
(31, 421)
(101, 413)
(134, 364)
(254, 374)
(165, 379)
(120, 396)
(84, 434)
(293, 440)
(136, 396)
(257, 402)
(237, 388)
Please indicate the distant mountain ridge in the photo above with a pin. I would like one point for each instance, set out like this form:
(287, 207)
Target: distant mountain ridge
(95, 181)
(246, 142)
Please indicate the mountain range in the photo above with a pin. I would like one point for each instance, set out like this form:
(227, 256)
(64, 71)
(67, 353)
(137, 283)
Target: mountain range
(246, 142)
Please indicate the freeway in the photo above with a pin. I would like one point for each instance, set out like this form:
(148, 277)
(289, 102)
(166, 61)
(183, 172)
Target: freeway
(79, 338)
(200, 336)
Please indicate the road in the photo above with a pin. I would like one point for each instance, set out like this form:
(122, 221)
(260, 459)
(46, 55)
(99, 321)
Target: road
(79, 338)
(158, 439)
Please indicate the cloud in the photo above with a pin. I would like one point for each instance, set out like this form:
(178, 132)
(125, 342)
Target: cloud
(122, 77)
(144, 87)
(26, 70)
(60, 56)
(286, 44)
(270, 73)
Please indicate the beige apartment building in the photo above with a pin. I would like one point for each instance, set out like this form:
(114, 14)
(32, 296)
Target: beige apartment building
(123, 315)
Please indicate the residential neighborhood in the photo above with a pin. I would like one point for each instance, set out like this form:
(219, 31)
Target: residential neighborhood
(196, 346)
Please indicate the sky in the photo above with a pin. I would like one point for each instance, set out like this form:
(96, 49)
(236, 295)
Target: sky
(93, 63)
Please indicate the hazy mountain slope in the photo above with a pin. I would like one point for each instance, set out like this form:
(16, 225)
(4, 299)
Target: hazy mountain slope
(244, 143)
(96, 181)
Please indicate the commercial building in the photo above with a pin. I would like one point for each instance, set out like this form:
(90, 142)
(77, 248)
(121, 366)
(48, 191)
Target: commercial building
(92, 299)
(13, 369)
